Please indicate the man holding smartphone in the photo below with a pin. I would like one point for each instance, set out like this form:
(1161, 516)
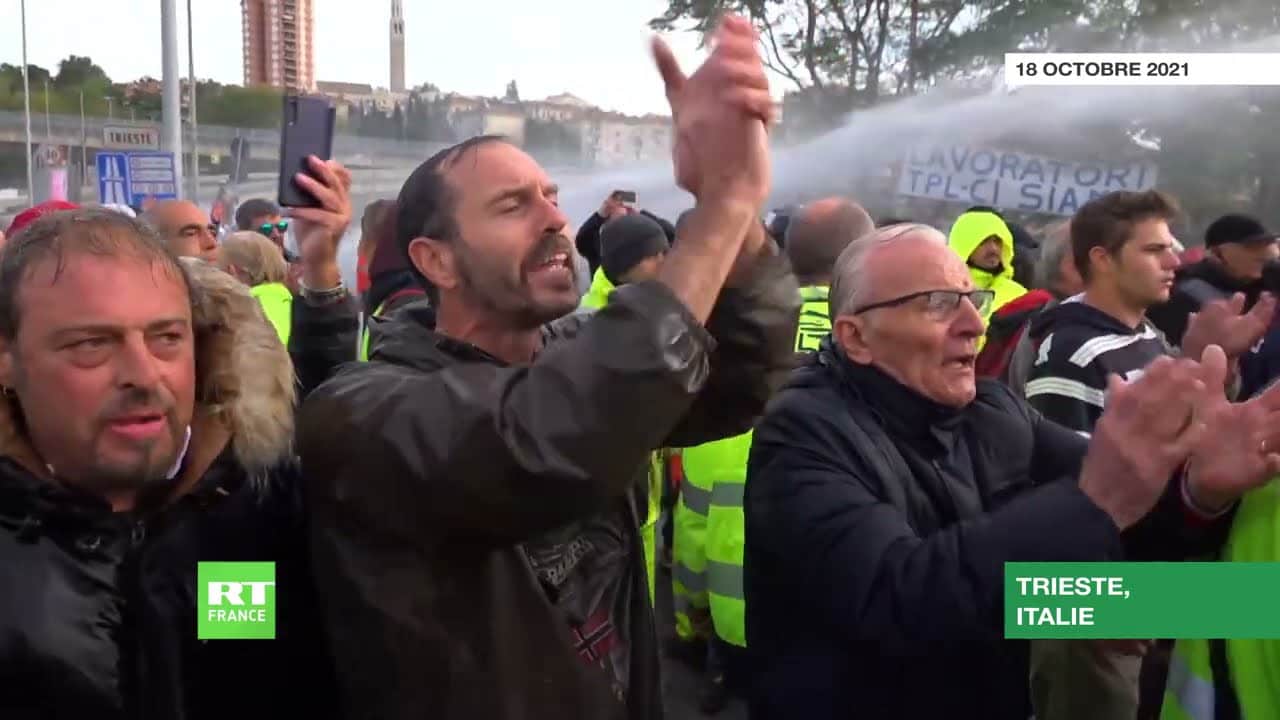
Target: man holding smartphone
(618, 204)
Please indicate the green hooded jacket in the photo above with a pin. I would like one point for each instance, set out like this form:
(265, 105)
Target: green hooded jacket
(968, 232)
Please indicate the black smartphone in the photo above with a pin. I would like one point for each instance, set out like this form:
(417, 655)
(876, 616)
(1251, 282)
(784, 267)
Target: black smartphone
(625, 196)
(306, 129)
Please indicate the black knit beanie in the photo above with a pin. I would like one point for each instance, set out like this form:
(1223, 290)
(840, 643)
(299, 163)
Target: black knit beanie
(627, 241)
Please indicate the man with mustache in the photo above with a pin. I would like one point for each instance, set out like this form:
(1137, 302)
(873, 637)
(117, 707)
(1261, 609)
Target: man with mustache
(476, 489)
(146, 426)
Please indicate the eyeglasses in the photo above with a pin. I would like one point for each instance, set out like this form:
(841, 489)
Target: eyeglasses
(939, 304)
(268, 228)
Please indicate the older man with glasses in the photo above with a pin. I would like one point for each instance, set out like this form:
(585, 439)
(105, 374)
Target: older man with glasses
(887, 488)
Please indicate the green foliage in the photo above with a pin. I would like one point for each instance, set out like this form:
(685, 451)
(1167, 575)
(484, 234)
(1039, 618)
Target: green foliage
(246, 107)
(77, 72)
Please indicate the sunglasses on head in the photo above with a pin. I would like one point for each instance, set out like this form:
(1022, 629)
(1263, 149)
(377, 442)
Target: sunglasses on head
(268, 228)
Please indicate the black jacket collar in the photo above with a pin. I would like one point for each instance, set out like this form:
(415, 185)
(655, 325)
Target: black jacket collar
(899, 409)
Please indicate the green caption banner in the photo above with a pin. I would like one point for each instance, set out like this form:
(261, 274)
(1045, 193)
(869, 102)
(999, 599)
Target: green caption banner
(1119, 601)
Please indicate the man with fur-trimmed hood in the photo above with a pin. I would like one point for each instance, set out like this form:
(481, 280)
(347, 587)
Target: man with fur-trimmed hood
(146, 426)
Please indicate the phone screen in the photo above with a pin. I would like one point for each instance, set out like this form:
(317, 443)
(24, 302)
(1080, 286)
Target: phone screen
(625, 196)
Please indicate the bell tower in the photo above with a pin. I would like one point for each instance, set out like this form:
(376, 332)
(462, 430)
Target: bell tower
(397, 46)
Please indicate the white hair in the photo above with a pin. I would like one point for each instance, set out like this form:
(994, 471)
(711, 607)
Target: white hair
(850, 282)
(1056, 247)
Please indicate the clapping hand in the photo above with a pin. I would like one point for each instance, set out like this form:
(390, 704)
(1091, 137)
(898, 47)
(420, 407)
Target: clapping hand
(720, 113)
(1240, 446)
(1223, 323)
(1148, 430)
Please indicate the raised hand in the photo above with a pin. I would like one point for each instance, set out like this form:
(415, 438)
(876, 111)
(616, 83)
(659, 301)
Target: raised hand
(319, 230)
(719, 117)
(1149, 428)
(1240, 447)
(612, 208)
(1223, 324)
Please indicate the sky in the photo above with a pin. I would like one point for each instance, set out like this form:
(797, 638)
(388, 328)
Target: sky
(595, 49)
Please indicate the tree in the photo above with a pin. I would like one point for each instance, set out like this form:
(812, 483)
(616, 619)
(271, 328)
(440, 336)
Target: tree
(513, 92)
(77, 72)
(847, 47)
(246, 107)
(11, 77)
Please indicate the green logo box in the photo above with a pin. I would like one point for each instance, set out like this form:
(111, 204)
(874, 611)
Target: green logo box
(1140, 600)
(237, 601)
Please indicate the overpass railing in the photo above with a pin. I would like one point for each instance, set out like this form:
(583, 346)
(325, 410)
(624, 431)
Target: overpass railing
(63, 126)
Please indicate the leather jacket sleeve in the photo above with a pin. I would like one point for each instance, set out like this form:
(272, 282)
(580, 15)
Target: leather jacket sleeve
(754, 327)
(499, 453)
(323, 337)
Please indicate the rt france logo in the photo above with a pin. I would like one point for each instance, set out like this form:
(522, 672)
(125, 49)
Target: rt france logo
(237, 601)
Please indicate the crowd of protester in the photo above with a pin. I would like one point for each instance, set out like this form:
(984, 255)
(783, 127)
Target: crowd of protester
(827, 434)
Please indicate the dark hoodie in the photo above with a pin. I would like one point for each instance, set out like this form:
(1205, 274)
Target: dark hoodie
(1194, 285)
(1078, 347)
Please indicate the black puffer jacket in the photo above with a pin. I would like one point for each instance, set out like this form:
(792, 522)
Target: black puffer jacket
(476, 524)
(878, 525)
(98, 609)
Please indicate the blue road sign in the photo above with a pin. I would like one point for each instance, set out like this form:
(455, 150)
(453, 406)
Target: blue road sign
(130, 178)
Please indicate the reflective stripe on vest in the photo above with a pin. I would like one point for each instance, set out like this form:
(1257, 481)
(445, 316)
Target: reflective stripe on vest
(815, 318)
(277, 305)
(1250, 664)
(726, 540)
(688, 552)
(1187, 695)
(695, 498)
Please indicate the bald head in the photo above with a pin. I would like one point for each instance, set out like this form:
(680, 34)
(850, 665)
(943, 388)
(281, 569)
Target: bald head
(185, 229)
(819, 233)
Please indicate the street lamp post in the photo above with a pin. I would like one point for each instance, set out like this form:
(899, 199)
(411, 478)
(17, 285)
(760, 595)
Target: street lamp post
(26, 101)
(48, 124)
(195, 126)
(171, 103)
(111, 107)
(84, 142)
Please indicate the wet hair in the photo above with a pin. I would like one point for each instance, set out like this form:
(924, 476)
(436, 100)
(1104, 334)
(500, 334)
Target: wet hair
(254, 255)
(817, 235)
(427, 202)
(1107, 222)
(253, 209)
(85, 231)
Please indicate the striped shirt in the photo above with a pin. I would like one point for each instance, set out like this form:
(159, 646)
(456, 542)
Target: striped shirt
(1082, 347)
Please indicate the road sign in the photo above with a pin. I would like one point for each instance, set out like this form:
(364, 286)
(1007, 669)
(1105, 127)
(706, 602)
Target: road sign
(131, 137)
(51, 156)
(131, 178)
